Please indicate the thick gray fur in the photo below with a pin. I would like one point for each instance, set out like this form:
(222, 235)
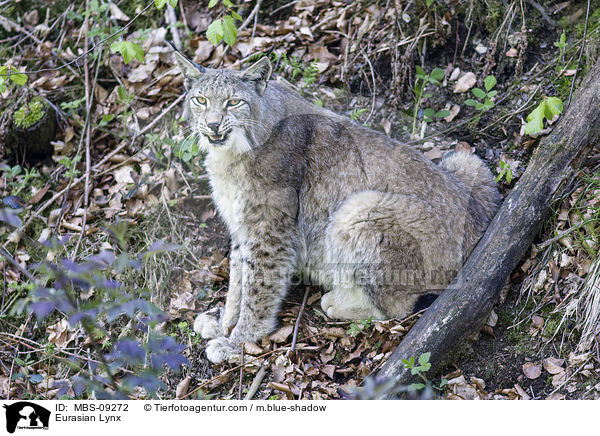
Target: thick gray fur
(302, 189)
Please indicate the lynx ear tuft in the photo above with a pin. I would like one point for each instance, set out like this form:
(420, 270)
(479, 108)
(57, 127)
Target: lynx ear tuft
(260, 73)
(191, 70)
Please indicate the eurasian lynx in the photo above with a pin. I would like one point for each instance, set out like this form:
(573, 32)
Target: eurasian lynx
(302, 189)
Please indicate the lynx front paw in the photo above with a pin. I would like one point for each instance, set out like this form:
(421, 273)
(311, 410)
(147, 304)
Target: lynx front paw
(221, 350)
(207, 325)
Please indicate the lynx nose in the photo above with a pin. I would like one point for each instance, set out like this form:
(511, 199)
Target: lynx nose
(214, 127)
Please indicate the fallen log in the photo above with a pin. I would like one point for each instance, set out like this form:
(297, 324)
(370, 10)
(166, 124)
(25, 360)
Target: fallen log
(460, 311)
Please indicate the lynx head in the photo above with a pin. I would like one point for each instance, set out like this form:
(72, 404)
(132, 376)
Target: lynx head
(226, 107)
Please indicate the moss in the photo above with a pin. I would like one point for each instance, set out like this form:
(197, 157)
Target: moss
(29, 114)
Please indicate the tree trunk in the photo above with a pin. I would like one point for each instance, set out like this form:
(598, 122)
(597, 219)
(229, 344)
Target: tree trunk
(464, 306)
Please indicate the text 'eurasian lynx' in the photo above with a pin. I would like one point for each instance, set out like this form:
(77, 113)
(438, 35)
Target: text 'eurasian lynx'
(304, 190)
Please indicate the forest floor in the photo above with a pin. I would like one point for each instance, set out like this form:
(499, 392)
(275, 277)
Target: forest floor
(439, 77)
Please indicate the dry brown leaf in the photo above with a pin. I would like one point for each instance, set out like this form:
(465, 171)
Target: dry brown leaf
(522, 392)
(387, 126)
(559, 379)
(554, 365)
(116, 13)
(465, 83)
(335, 332)
(328, 370)
(252, 349)
(454, 110)
(184, 302)
(60, 333)
(280, 387)
(532, 370)
(282, 334)
(182, 387)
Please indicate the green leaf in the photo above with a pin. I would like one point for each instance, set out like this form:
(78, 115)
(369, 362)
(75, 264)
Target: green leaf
(535, 120)
(18, 78)
(416, 386)
(492, 94)
(236, 16)
(36, 379)
(424, 358)
(470, 102)
(437, 74)
(442, 114)
(229, 30)
(173, 3)
(420, 71)
(8, 71)
(129, 50)
(228, 4)
(66, 105)
(428, 112)
(489, 82)
(553, 106)
(212, 3)
(479, 93)
(160, 3)
(214, 32)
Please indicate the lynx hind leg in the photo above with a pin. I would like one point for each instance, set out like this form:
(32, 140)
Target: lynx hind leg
(386, 240)
(349, 303)
(207, 324)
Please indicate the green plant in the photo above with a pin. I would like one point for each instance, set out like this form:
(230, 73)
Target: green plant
(184, 330)
(547, 109)
(420, 370)
(505, 172)
(71, 166)
(129, 50)
(72, 105)
(422, 80)
(359, 326)
(10, 73)
(356, 113)
(223, 28)
(29, 114)
(310, 74)
(485, 102)
(561, 44)
(19, 180)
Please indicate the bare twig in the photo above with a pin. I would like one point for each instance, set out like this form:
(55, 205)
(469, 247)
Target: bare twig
(543, 13)
(374, 90)
(297, 324)
(587, 14)
(241, 372)
(258, 378)
(172, 20)
(88, 133)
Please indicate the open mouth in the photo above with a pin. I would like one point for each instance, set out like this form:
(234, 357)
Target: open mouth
(218, 139)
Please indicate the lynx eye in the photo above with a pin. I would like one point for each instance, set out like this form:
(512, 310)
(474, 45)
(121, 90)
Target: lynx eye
(199, 100)
(234, 102)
